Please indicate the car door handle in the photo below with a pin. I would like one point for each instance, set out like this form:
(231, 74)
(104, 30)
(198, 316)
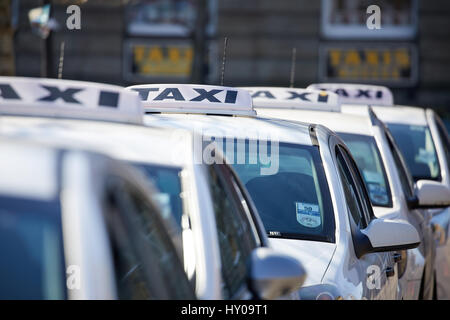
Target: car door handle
(390, 272)
(397, 257)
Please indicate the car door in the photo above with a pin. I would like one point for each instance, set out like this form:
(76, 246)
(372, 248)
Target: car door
(237, 235)
(421, 220)
(376, 271)
(444, 214)
(146, 263)
(441, 222)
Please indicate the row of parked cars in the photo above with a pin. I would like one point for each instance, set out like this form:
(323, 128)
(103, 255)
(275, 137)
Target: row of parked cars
(176, 191)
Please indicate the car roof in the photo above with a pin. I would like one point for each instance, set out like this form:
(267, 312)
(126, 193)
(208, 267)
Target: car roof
(355, 93)
(294, 98)
(336, 121)
(401, 114)
(124, 141)
(59, 98)
(28, 170)
(227, 110)
(236, 127)
(194, 98)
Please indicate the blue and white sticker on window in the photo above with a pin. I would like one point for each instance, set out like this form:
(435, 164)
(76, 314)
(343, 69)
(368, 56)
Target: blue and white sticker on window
(378, 193)
(308, 215)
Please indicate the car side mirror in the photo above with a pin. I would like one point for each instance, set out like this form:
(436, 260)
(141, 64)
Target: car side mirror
(273, 274)
(432, 194)
(386, 235)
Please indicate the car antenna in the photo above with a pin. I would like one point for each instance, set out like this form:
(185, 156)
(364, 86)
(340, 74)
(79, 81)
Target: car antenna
(224, 58)
(61, 60)
(294, 54)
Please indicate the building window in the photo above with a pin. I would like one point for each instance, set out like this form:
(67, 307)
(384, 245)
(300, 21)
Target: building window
(346, 19)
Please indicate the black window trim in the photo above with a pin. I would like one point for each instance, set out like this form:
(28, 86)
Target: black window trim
(249, 207)
(222, 172)
(404, 167)
(356, 174)
(243, 290)
(116, 183)
(361, 244)
(388, 183)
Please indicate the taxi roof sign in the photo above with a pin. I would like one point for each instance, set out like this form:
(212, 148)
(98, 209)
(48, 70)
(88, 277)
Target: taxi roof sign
(358, 93)
(69, 99)
(192, 98)
(294, 98)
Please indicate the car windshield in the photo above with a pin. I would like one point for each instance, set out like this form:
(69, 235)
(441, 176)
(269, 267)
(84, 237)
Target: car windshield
(417, 147)
(293, 202)
(32, 263)
(367, 156)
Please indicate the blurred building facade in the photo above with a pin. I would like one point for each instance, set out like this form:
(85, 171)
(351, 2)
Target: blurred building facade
(113, 46)
(6, 40)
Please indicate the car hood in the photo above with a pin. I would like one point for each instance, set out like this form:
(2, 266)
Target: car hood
(315, 256)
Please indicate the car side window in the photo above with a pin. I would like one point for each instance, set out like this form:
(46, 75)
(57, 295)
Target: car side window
(406, 179)
(235, 234)
(246, 208)
(360, 185)
(443, 135)
(146, 262)
(350, 190)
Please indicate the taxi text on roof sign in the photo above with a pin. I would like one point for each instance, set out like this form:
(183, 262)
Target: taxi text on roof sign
(292, 98)
(358, 93)
(67, 98)
(191, 98)
(156, 60)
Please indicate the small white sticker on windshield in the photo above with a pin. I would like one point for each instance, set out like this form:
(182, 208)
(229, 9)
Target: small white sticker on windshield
(163, 199)
(372, 176)
(417, 128)
(425, 156)
(378, 193)
(308, 214)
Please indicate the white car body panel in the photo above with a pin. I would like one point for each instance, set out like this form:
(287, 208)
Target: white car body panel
(357, 123)
(81, 220)
(14, 182)
(83, 225)
(316, 256)
(125, 142)
(425, 117)
(224, 125)
(345, 271)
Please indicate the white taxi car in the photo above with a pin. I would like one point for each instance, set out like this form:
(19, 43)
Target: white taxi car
(423, 141)
(304, 183)
(79, 225)
(391, 189)
(217, 229)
